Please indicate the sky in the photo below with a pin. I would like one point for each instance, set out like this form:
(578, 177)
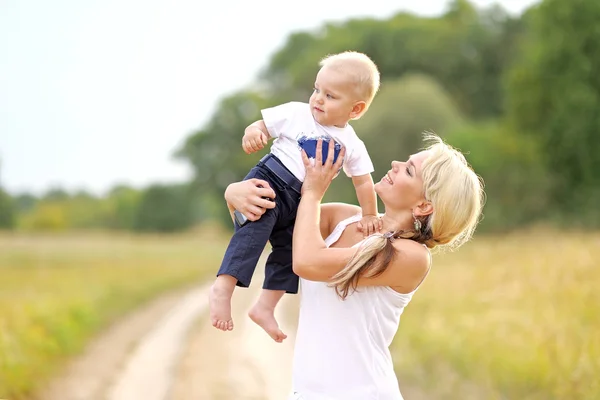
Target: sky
(95, 93)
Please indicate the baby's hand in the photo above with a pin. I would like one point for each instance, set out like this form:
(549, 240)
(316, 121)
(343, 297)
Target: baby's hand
(254, 140)
(369, 224)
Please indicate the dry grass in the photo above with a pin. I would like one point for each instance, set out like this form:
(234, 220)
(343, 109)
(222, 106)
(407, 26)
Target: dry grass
(515, 317)
(56, 291)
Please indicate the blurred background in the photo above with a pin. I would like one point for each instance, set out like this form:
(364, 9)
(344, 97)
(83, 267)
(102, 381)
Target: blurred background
(121, 126)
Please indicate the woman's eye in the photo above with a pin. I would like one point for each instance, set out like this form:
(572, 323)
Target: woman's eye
(408, 171)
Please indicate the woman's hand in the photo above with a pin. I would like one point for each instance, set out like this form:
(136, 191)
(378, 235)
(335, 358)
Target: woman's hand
(250, 197)
(319, 176)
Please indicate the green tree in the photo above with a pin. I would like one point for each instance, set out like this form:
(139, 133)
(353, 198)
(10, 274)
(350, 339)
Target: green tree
(554, 94)
(122, 205)
(216, 154)
(7, 211)
(516, 183)
(464, 52)
(56, 194)
(46, 216)
(466, 49)
(25, 202)
(164, 208)
(84, 211)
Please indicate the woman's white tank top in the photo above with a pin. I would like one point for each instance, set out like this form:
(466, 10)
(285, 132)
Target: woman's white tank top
(342, 346)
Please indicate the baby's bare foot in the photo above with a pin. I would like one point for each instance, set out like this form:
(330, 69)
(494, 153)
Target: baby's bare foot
(219, 301)
(265, 318)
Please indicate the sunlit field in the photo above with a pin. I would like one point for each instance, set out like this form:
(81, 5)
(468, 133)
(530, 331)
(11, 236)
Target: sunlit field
(57, 291)
(511, 317)
(515, 317)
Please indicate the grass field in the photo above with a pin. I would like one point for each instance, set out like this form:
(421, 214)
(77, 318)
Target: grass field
(56, 291)
(516, 317)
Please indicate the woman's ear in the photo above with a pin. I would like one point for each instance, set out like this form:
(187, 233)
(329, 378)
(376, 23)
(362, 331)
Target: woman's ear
(423, 209)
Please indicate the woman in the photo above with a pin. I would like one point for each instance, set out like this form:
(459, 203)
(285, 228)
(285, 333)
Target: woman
(353, 289)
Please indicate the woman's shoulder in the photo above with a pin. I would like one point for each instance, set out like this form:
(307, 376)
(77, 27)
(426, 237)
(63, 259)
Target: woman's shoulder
(333, 213)
(411, 265)
(418, 252)
(339, 211)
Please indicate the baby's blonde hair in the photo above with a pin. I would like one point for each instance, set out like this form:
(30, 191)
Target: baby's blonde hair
(360, 68)
(456, 193)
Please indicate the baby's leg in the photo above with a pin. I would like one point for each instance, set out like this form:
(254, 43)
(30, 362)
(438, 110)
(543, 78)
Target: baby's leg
(219, 300)
(237, 268)
(279, 279)
(263, 313)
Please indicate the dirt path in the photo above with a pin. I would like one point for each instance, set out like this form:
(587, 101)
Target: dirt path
(243, 364)
(148, 372)
(167, 350)
(87, 376)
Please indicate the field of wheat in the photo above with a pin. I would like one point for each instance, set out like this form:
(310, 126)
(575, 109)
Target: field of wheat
(511, 317)
(57, 291)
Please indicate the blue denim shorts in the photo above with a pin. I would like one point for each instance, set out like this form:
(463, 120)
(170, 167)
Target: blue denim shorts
(275, 226)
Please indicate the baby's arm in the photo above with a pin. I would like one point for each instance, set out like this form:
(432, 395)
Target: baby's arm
(256, 137)
(365, 192)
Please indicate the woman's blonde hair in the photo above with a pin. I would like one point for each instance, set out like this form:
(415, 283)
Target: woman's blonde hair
(456, 193)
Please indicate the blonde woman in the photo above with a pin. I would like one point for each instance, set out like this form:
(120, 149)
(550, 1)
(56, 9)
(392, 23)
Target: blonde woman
(354, 289)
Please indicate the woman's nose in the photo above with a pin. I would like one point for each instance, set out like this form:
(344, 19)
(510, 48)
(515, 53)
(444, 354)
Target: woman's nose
(396, 165)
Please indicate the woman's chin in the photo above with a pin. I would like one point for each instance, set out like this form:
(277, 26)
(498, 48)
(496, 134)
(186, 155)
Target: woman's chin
(377, 186)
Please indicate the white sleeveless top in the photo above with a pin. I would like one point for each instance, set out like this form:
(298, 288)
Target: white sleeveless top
(342, 346)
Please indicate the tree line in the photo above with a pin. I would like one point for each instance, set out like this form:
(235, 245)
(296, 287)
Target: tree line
(518, 94)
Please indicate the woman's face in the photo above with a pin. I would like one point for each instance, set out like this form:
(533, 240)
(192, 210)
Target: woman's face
(402, 187)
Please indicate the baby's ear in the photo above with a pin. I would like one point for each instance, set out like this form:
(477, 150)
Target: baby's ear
(358, 109)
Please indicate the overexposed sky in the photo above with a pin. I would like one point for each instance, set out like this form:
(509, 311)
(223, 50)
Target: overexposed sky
(99, 92)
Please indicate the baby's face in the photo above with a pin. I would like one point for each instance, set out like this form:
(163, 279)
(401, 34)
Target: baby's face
(333, 99)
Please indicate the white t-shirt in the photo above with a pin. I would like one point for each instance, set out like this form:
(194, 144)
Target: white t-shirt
(342, 346)
(294, 128)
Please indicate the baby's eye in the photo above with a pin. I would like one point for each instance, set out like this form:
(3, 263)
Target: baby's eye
(329, 96)
(316, 90)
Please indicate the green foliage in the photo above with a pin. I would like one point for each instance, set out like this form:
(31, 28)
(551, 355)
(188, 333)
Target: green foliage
(452, 65)
(164, 208)
(46, 216)
(216, 152)
(454, 74)
(7, 211)
(555, 95)
(25, 202)
(466, 50)
(122, 205)
(56, 194)
(516, 183)
(61, 211)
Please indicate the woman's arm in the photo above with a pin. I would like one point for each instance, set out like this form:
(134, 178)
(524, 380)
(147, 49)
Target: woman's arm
(314, 261)
(311, 258)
